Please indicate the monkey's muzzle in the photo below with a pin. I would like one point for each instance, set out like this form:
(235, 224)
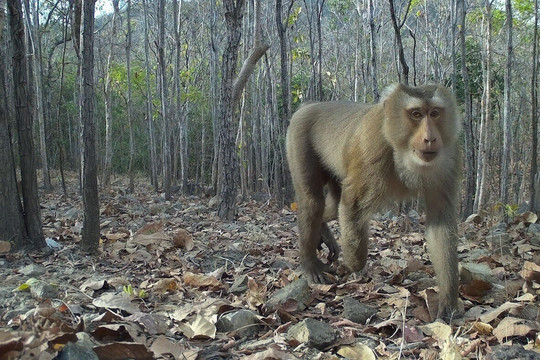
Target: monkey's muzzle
(426, 156)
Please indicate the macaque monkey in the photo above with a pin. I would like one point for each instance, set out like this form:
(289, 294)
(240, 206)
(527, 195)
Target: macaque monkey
(349, 160)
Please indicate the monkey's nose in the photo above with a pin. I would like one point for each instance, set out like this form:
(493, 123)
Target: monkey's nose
(430, 140)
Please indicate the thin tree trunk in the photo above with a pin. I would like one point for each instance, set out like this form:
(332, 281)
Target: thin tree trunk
(24, 120)
(179, 113)
(507, 116)
(373, 51)
(32, 19)
(470, 155)
(164, 94)
(90, 231)
(404, 75)
(107, 165)
(59, 142)
(131, 169)
(534, 186)
(483, 145)
(149, 106)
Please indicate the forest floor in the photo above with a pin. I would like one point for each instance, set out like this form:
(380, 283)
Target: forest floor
(173, 281)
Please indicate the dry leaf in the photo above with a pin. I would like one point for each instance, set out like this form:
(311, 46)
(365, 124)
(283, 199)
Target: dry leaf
(530, 272)
(294, 206)
(5, 246)
(510, 326)
(200, 328)
(476, 289)
(439, 331)
(493, 314)
(256, 293)
(164, 285)
(201, 280)
(183, 239)
(483, 328)
(357, 351)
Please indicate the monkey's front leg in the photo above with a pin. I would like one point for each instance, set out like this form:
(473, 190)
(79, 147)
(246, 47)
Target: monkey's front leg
(354, 235)
(442, 238)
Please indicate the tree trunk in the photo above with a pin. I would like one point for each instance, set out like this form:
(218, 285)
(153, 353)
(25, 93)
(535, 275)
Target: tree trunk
(404, 75)
(164, 94)
(12, 227)
(483, 138)
(507, 116)
(131, 170)
(470, 155)
(149, 106)
(179, 113)
(373, 53)
(32, 19)
(534, 185)
(107, 165)
(90, 231)
(231, 89)
(24, 120)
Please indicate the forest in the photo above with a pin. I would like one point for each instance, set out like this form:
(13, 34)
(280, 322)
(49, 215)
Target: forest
(180, 102)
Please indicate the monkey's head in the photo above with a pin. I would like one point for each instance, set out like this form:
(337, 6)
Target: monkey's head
(420, 123)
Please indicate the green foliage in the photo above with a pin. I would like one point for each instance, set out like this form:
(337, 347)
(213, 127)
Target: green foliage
(509, 210)
(141, 294)
(293, 17)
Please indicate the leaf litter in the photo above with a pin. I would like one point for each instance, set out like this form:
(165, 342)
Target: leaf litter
(168, 271)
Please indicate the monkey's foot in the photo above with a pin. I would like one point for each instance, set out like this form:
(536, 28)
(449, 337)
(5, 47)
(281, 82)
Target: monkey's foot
(448, 312)
(328, 239)
(317, 272)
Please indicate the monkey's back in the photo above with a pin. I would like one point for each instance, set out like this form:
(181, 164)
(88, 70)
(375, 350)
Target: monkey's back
(325, 128)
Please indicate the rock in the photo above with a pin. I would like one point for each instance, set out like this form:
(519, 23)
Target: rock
(244, 322)
(213, 202)
(474, 218)
(355, 311)
(475, 271)
(498, 228)
(239, 285)
(413, 216)
(534, 229)
(500, 242)
(72, 214)
(297, 290)
(32, 270)
(514, 352)
(41, 290)
(81, 350)
(314, 333)
(281, 264)
(156, 209)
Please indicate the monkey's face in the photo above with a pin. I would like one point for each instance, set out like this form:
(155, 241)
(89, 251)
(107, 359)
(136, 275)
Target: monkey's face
(420, 124)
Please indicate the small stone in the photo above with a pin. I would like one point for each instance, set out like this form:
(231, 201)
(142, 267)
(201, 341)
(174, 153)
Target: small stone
(314, 333)
(534, 229)
(297, 290)
(474, 218)
(42, 290)
(81, 350)
(239, 285)
(32, 270)
(213, 202)
(244, 322)
(514, 352)
(355, 311)
(475, 271)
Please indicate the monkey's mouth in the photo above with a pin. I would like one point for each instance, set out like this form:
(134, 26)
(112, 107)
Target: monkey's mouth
(427, 156)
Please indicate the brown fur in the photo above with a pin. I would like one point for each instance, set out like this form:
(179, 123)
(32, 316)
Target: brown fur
(366, 156)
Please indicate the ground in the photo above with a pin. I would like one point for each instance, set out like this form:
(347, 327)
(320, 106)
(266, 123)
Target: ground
(172, 281)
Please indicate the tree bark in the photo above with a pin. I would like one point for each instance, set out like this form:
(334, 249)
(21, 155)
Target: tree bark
(373, 53)
(107, 164)
(90, 231)
(24, 120)
(404, 75)
(231, 90)
(12, 227)
(507, 116)
(534, 186)
(32, 19)
(164, 94)
(470, 155)
(149, 106)
(131, 170)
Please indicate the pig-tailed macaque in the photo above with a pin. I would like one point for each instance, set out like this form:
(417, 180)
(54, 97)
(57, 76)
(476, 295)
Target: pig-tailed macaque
(349, 160)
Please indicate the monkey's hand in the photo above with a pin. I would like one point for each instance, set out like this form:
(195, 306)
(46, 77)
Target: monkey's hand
(328, 239)
(316, 271)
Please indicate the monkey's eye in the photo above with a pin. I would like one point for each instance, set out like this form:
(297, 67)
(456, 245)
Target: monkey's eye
(416, 114)
(435, 113)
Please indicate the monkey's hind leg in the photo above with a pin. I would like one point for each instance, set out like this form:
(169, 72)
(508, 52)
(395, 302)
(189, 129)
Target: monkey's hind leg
(330, 213)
